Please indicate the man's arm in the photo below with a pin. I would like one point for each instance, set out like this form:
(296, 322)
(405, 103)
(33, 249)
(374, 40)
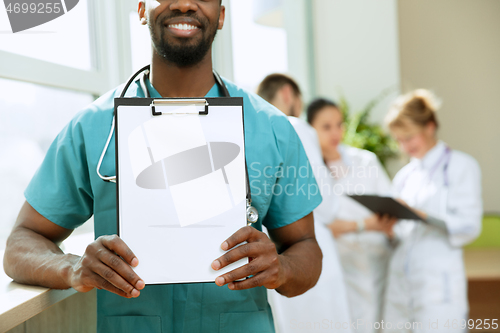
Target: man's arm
(32, 256)
(291, 263)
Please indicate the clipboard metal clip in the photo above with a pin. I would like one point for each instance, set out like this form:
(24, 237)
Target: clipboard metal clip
(187, 102)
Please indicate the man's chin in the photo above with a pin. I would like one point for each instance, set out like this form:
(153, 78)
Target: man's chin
(183, 56)
(182, 42)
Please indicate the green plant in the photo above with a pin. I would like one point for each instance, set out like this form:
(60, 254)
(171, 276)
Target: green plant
(361, 133)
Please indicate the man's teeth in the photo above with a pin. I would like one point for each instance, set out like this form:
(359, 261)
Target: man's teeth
(183, 26)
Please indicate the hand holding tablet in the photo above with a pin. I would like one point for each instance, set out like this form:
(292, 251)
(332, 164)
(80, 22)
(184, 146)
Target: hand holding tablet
(387, 206)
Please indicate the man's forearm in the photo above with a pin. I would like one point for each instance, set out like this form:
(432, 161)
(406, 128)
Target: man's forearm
(33, 259)
(302, 263)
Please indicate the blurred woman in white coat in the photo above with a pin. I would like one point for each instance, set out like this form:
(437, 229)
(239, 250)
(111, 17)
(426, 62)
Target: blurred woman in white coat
(427, 286)
(324, 307)
(361, 236)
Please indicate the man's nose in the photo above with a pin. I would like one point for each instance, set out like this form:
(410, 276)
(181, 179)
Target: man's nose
(184, 6)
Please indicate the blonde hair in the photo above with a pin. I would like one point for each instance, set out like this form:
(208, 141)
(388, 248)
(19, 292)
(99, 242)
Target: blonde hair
(417, 107)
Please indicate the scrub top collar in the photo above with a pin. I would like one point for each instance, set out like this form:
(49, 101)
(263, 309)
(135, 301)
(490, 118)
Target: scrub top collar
(213, 92)
(432, 157)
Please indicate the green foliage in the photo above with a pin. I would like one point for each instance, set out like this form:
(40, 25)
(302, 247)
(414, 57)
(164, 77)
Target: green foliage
(361, 133)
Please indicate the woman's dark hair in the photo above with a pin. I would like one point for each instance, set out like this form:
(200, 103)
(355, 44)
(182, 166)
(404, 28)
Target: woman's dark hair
(316, 106)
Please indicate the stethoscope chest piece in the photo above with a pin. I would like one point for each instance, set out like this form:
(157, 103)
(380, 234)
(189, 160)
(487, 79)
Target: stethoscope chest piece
(252, 214)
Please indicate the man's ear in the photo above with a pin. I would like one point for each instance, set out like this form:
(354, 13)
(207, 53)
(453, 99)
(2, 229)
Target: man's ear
(141, 10)
(222, 17)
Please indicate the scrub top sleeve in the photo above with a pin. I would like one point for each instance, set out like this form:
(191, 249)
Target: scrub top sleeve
(295, 192)
(60, 189)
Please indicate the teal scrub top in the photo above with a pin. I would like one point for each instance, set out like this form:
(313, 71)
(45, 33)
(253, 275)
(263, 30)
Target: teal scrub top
(67, 191)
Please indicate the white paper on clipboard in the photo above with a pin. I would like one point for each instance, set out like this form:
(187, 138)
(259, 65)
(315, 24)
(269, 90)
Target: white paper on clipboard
(181, 189)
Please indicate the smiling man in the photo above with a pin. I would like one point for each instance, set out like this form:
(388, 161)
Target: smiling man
(67, 190)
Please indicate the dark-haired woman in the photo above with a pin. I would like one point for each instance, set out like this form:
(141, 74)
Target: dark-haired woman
(361, 236)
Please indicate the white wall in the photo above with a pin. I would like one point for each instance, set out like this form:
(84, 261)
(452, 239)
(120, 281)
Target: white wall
(356, 50)
(453, 47)
(300, 45)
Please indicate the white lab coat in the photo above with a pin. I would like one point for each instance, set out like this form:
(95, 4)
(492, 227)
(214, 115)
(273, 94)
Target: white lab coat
(364, 256)
(427, 281)
(324, 307)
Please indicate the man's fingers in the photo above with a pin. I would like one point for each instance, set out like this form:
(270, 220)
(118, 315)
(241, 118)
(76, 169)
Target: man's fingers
(101, 283)
(106, 265)
(248, 234)
(117, 245)
(252, 268)
(255, 281)
(121, 275)
(249, 250)
(111, 277)
(264, 263)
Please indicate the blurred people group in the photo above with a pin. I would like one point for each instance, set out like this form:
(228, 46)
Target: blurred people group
(381, 274)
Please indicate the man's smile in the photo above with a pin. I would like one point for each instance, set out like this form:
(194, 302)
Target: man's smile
(183, 27)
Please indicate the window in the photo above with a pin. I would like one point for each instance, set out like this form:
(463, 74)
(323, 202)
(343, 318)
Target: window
(70, 30)
(47, 74)
(30, 118)
(258, 50)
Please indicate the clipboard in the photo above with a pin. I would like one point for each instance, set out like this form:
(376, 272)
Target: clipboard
(386, 205)
(181, 184)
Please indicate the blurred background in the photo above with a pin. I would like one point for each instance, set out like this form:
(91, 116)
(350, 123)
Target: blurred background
(357, 50)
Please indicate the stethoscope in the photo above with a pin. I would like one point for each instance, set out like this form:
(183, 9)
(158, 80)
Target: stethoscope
(445, 157)
(251, 212)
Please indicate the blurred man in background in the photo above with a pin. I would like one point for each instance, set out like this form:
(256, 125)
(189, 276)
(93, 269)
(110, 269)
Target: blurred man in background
(327, 301)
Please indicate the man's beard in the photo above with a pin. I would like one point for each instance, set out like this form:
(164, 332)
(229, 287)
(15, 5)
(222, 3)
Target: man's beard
(184, 55)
